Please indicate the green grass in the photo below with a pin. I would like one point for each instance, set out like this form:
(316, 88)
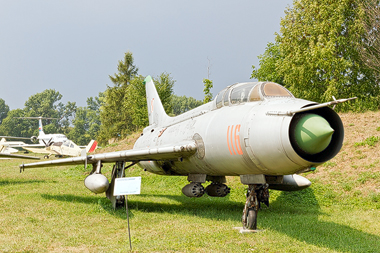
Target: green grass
(370, 141)
(50, 210)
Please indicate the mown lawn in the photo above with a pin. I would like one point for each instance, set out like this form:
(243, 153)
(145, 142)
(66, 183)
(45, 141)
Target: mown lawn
(50, 210)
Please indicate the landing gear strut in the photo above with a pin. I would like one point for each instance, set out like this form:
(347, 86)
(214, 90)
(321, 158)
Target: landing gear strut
(118, 171)
(256, 195)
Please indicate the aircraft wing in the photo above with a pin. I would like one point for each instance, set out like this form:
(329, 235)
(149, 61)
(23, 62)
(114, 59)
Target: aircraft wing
(33, 145)
(12, 144)
(149, 154)
(2, 155)
(37, 150)
(14, 137)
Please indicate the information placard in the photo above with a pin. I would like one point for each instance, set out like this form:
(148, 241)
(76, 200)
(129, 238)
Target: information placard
(127, 186)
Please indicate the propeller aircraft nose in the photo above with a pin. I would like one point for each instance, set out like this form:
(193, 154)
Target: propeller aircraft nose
(313, 133)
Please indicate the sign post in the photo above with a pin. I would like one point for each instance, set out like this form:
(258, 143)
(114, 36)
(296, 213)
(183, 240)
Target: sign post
(127, 186)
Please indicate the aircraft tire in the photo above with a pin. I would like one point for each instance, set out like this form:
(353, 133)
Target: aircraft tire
(251, 219)
(120, 203)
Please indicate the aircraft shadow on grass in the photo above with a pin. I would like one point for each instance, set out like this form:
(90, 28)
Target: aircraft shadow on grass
(296, 214)
(292, 213)
(193, 207)
(10, 182)
(71, 198)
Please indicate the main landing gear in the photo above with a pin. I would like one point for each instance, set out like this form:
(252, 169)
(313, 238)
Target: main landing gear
(256, 194)
(118, 171)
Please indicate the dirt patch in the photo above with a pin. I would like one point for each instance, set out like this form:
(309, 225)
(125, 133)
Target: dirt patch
(124, 144)
(357, 165)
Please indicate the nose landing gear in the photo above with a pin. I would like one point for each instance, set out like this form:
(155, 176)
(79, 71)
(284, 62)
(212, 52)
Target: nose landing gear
(256, 195)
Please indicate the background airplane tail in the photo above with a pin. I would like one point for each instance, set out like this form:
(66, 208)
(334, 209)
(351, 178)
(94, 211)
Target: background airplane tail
(156, 111)
(40, 127)
(91, 146)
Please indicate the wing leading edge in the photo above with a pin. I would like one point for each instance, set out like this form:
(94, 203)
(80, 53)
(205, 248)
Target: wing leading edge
(150, 154)
(3, 155)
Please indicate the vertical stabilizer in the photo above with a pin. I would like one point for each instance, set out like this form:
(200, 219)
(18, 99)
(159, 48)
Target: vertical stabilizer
(156, 112)
(91, 146)
(40, 132)
(40, 128)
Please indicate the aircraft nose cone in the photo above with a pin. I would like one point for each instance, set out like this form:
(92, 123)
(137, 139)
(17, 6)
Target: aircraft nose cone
(313, 133)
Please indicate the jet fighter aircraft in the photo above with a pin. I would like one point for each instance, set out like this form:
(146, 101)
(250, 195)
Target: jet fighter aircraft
(256, 130)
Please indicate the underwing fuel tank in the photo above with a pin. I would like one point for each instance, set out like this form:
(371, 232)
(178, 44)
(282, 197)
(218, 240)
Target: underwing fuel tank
(97, 183)
(291, 183)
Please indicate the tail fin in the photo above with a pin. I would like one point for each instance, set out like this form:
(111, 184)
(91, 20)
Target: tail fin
(40, 132)
(156, 111)
(91, 146)
(40, 128)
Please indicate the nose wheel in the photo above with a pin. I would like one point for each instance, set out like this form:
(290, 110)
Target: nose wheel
(256, 194)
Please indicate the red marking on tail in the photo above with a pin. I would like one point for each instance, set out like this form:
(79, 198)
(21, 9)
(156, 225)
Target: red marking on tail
(93, 147)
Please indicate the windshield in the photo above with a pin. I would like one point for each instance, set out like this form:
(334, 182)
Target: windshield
(240, 93)
(250, 92)
(275, 90)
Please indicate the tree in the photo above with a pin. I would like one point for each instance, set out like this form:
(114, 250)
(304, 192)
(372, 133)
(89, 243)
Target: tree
(44, 104)
(4, 109)
(87, 121)
(137, 98)
(125, 108)
(114, 116)
(15, 127)
(208, 86)
(79, 133)
(67, 115)
(318, 54)
(370, 51)
(127, 71)
(268, 61)
(181, 104)
(93, 114)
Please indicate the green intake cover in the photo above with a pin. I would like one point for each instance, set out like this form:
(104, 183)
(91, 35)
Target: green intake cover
(313, 133)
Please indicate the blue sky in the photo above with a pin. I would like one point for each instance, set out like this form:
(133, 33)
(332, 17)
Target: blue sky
(73, 46)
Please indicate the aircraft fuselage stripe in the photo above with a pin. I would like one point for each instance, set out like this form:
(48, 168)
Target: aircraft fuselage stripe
(233, 140)
(228, 139)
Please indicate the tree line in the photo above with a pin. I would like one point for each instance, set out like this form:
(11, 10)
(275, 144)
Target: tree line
(325, 48)
(114, 114)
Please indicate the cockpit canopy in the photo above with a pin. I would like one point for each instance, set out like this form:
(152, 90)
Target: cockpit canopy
(250, 92)
(68, 143)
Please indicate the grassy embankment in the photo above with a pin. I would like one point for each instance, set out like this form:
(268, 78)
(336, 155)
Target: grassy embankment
(50, 210)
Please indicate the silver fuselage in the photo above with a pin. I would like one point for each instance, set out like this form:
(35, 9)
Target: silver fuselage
(232, 140)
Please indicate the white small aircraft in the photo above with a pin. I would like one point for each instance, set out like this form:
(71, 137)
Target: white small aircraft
(42, 138)
(54, 144)
(65, 148)
(7, 149)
